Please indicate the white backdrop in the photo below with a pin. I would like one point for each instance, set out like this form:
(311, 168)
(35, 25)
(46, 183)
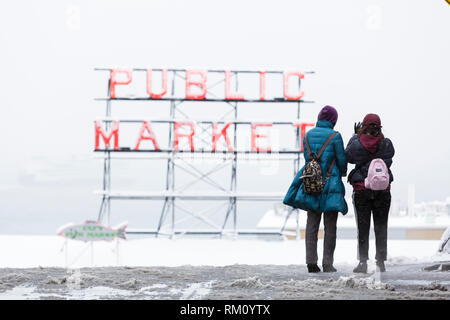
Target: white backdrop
(386, 57)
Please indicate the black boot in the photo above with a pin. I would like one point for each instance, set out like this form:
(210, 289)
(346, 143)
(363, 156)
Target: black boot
(313, 267)
(380, 266)
(328, 268)
(361, 267)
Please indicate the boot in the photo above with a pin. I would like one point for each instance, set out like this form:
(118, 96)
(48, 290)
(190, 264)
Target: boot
(328, 268)
(361, 267)
(313, 267)
(380, 266)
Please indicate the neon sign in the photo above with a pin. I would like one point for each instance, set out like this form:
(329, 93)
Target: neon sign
(199, 79)
(197, 88)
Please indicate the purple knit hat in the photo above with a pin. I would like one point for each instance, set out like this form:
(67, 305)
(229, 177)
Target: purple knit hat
(328, 113)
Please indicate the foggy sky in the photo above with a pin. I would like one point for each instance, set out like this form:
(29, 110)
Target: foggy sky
(384, 57)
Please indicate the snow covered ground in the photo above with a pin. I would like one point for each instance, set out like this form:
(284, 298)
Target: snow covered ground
(33, 267)
(50, 251)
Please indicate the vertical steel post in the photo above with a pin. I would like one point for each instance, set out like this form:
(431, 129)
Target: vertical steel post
(117, 252)
(169, 201)
(109, 189)
(66, 253)
(297, 165)
(172, 158)
(298, 142)
(92, 253)
(105, 205)
(234, 175)
(108, 154)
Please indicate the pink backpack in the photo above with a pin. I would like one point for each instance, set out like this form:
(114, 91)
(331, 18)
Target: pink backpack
(377, 175)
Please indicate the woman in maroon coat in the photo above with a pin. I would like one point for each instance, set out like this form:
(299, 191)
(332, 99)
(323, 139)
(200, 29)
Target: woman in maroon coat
(369, 143)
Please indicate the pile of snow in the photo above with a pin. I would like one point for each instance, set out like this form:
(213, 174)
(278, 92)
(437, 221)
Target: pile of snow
(371, 283)
(13, 279)
(77, 279)
(196, 291)
(24, 292)
(367, 283)
(251, 282)
(444, 244)
(434, 286)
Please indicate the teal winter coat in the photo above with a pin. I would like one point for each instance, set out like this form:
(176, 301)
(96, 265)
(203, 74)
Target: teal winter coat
(332, 196)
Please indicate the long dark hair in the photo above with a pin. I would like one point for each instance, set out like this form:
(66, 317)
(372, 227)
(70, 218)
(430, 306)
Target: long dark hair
(371, 129)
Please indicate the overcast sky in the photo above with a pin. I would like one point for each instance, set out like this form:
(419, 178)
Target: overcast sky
(384, 57)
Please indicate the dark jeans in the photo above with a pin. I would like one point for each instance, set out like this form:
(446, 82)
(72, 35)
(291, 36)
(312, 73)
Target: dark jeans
(329, 242)
(377, 204)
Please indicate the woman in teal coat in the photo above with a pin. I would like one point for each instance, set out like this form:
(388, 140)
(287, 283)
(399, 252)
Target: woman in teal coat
(331, 200)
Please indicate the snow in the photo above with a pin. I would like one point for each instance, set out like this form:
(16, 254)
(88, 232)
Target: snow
(49, 251)
(210, 268)
(24, 292)
(444, 245)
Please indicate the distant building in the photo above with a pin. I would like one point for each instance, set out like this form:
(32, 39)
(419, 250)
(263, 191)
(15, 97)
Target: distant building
(428, 222)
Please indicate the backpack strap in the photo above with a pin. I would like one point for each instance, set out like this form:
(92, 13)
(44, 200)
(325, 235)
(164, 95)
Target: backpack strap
(329, 169)
(325, 144)
(321, 149)
(307, 147)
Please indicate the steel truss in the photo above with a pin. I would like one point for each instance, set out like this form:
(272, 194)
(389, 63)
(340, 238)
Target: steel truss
(180, 159)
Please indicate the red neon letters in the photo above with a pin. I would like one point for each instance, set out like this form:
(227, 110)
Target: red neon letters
(142, 136)
(179, 135)
(149, 84)
(262, 85)
(106, 139)
(302, 127)
(256, 135)
(216, 136)
(287, 95)
(114, 81)
(146, 133)
(200, 83)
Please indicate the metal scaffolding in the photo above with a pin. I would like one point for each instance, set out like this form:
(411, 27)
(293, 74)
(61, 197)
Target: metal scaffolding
(180, 159)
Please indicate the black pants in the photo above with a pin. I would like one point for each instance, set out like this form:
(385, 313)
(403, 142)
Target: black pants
(329, 242)
(376, 203)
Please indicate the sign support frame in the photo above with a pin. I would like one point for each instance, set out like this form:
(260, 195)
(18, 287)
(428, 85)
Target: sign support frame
(169, 205)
